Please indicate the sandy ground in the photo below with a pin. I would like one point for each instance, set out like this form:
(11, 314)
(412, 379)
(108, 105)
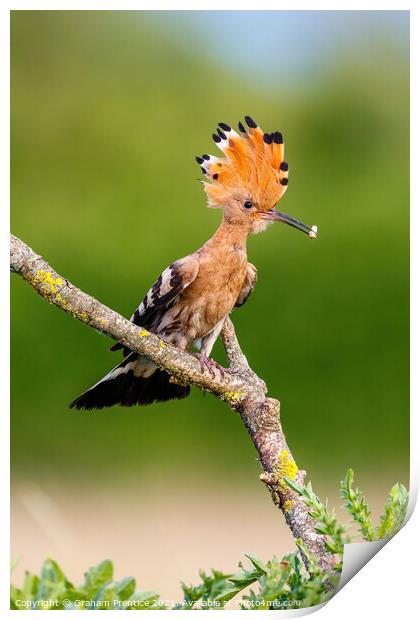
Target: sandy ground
(160, 538)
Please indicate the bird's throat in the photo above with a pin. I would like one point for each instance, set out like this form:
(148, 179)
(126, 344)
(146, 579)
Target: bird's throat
(230, 236)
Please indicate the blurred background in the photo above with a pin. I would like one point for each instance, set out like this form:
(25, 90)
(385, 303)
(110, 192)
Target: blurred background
(108, 111)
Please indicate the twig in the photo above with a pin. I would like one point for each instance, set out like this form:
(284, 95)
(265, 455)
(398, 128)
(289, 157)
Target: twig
(240, 387)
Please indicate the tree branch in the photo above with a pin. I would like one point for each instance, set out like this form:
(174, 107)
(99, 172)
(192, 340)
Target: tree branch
(240, 387)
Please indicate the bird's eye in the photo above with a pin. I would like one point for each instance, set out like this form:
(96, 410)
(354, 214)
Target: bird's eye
(247, 204)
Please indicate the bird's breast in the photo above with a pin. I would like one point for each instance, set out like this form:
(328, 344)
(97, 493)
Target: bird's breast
(209, 298)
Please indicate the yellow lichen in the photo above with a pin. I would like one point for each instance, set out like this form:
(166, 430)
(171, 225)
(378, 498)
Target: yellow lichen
(143, 333)
(48, 283)
(62, 302)
(286, 466)
(234, 397)
(162, 344)
(288, 504)
(82, 316)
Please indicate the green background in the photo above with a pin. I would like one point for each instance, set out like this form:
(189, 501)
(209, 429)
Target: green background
(108, 111)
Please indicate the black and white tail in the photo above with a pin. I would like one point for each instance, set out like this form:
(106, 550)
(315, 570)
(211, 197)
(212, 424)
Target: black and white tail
(135, 381)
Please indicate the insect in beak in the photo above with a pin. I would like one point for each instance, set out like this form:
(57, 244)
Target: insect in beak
(278, 216)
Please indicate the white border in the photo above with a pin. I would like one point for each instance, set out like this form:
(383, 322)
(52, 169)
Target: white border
(387, 585)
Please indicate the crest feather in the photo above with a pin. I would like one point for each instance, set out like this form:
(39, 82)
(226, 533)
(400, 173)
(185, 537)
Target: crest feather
(253, 160)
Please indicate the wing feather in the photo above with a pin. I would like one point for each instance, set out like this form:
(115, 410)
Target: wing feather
(161, 296)
(248, 285)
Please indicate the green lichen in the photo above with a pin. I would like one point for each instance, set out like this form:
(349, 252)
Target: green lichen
(286, 466)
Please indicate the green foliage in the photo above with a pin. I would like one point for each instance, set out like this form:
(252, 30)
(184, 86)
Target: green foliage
(357, 507)
(390, 521)
(212, 591)
(326, 520)
(277, 584)
(52, 590)
(394, 512)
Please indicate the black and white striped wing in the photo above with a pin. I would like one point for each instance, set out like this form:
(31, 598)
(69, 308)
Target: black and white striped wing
(171, 282)
(248, 285)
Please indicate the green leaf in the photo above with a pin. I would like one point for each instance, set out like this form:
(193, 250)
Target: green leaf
(106, 594)
(228, 594)
(244, 581)
(331, 546)
(30, 587)
(356, 506)
(294, 485)
(394, 512)
(257, 563)
(15, 595)
(322, 529)
(145, 600)
(52, 585)
(98, 575)
(125, 588)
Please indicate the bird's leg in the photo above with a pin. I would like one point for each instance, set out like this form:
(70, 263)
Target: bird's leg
(209, 364)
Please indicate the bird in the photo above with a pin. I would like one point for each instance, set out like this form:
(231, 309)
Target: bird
(190, 300)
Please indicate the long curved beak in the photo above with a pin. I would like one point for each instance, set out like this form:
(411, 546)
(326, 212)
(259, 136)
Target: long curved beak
(278, 216)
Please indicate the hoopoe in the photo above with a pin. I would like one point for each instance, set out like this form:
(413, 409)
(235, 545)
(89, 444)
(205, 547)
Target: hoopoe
(190, 300)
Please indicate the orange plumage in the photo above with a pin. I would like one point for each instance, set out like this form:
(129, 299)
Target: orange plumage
(253, 162)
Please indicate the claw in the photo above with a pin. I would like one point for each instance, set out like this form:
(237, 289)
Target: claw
(210, 365)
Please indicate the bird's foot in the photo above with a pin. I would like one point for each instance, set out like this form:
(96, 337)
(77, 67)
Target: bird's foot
(209, 364)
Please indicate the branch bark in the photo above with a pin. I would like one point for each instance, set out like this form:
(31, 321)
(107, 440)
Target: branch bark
(240, 387)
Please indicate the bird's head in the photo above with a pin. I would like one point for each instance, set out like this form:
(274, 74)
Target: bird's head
(250, 180)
